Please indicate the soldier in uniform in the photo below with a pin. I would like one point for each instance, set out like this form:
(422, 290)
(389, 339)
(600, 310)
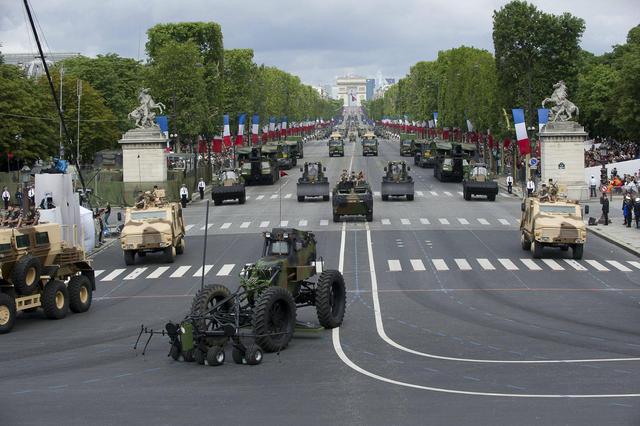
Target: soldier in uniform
(184, 195)
(360, 177)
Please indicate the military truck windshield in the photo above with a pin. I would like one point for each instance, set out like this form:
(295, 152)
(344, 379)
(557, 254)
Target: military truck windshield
(279, 247)
(556, 209)
(229, 174)
(369, 142)
(335, 142)
(147, 215)
(312, 170)
(479, 171)
(406, 142)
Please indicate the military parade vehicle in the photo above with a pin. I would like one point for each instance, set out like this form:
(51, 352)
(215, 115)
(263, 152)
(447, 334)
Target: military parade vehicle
(369, 144)
(228, 184)
(336, 145)
(407, 144)
(449, 164)
(264, 308)
(397, 182)
(427, 152)
(297, 150)
(352, 197)
(258, 165)
(550, 221)
(284, 153)
(153, 225)
(478, 181)
(41, 268)
(313, 182)
(353, 135)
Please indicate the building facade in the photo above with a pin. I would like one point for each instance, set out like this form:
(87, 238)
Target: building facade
(352, 90)
(371, 87)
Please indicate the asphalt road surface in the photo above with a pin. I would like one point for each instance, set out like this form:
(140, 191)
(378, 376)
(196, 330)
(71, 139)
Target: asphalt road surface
(448, 322)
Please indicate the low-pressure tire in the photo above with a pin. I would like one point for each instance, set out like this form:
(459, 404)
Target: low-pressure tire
(274, 319)
(180, 246)
(577, 251)
(7, 312)
(385, 197)
(199, 356)
(80, 294)
(253, 355)
(243, 198)
(526, 245)
(467, 195)
(325, 198)
(336, 217)
(536, 249)
(169, 254)
(188, 356)
(370, 217)
(129, 257)
(204, 300)
(215, 356)
(217, 201)
(55, 300)
(409, 197)
(236, 355)
(331, 299)
(491, 197)
(25, 275)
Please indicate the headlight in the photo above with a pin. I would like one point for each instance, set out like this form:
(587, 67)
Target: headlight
(182, 330)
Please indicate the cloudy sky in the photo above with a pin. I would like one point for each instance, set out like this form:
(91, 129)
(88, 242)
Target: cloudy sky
(315, 39)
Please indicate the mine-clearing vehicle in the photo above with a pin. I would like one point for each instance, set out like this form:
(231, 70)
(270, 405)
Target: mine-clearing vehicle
(479, 181)
(313, 182)
(397, 182)
(228, 184)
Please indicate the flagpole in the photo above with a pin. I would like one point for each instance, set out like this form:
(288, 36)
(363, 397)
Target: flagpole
(280, 197)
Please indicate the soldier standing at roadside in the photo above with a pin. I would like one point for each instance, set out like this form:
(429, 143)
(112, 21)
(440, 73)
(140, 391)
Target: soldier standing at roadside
(201, 186)
(605, 208)
(6, 196)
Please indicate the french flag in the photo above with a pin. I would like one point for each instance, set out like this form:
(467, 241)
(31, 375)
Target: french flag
(283, 128)
(272, 128)
(255, 128)
(521, 131)
(265, 133)
(543, 118)
(226, 132)
(240, 135)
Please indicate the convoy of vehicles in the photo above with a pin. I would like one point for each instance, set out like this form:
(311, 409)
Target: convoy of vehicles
(228, 184)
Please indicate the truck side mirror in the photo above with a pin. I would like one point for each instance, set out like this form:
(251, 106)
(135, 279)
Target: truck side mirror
(522, 206)
(586, 209)
(119, 216)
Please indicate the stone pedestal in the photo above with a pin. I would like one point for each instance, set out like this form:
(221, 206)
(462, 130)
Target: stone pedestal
(562, 158)
(143, 156)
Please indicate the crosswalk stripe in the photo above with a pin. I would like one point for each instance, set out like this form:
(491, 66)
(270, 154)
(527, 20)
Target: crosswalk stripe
(287, 196)
(618, 265)
(420, 193)
(180, 271)
(199, 273)
(444, 221)
(533, 266)
(434, 193)
(226, 269)
(483, 221)
(264, 224)
(207, 226)
(553, 264)
(188, 228)
(508, 264)
(158, 272)
(463, 265)
(504, 195)
(376, 193)
(503, 221)
(394, 265)
(440, 264)
(575, 265)
(424, 221)
(634, 263)
(274, 196)
(246, 197)
(599, 266)
(97, 272)
(459, 192)
(386, 222)
(135, 273)
(486, 265)
(226, 225)
(284, 223)
(259, 197)
(447, 193)
(245, 224)
(417, 265)
(405, 221)
(113, 274)
(463, 221)
(303, 222)
(324, 222)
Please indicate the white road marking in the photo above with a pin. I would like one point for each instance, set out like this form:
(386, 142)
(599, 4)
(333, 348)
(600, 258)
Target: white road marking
(599, 266)
(324, 222)
(533, 266)
(618, 265)
(424, 221)
(264, 224)
(463, 265)
(503, 221)
(508, 264)
(386, 222)
(180, 271)
(302, 222)
(199, 273)
(113, 274)
(394, 265)
(434, 193)
(553, 264)
(440, 264)
(284, 223)
(226, 225)
(417, 265)
(444, 221)
(483, 221)
(420, 193)
(504, 195)
(287, 196)
(634, 263)
(405, 221)
(459, 192)
(486, 265)
(247, 197)
(96, 273)
(575, 265)
(188, 228)
(463, 221)
(245, 224)
(376, 193)
(274, 196)
(206, 227)
(226, 270)
(158, 272)
(448, 193)
(135, 273)
(259, 197)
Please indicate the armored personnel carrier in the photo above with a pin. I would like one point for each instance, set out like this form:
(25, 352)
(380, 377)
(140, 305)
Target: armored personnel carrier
(297, 149)
(153, 225)
(336, 145)
(407, 144)
(284, 152)
(549, 221)
(353, 135)
(449, 165)
(397, 182)
(258, 165)
(352, 197)
(228, 184)
(369, 144)
(478, 181)
(313, 182)
(41, 269)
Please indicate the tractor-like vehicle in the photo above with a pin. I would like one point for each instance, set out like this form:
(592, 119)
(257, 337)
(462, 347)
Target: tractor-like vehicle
(313, 182)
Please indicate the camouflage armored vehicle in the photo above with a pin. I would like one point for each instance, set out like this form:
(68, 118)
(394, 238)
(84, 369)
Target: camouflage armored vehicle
(353, 135)
(369, 144)
(478, 181)
(228, 184)
(313, 182)
(258, 165)
(449, 165)
(153, 225)
(271, 291)
(39, 268)
(284, 153)
(352, 198)
(551, 222)
(297, 150)
(427, 152)
(397, 182)
(407, 144)
(336, 145)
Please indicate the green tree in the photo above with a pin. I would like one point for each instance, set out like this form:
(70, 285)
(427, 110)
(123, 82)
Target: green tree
(239, 83)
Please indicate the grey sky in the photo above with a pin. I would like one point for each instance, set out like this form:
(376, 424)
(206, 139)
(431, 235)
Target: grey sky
(315, 39)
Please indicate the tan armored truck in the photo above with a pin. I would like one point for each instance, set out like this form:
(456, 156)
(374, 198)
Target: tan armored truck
(42, 268)
(153, 225)
(552, 222)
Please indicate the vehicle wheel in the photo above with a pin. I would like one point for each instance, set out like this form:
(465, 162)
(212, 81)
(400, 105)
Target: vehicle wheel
(467, 195)
(215, 356)
(300, 198)
(526, 245)
(80, 294)
(174, 352)
(129, 257)
(204, 301)
(180, 247)
(536, 248)
(578, 249)
(491, 197)
(331, 299)
(188, 356)
(253, 355)
(26, 274)
(325, 198)
(7, 312)
(370, 217)
(274, 319)
(199, 356)
(409, 197)
(237, 356)
(142, 254)
(55, 300)
(336, 217)
(217, 201)
(385, 198)
(243, 198)
(169, 254)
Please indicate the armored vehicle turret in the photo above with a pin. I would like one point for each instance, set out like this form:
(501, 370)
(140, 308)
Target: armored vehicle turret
(352, 196)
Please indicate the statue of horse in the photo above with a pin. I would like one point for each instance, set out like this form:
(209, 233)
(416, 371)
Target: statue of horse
(563, 108)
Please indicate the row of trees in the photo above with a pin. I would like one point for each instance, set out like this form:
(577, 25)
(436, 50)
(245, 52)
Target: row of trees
(188, 70)
(533, 50)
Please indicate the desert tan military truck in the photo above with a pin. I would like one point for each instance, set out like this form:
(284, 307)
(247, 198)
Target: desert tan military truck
(153, 225)
(552, 222)
(41, 269)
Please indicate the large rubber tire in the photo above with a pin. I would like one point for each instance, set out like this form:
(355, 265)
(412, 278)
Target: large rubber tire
(300, 198)
(331, 298)
(25, 275)
(80, 294)
(129, 257)
(169, 254)
(526, 245)
(370, 217)
(253, 355)
(536, 249)
(336, 217)
(202, 303)
(409, 197)
(7, 312)
(491, 197)
(217, 201)
(237, 356)
(274, 319)
(55, 300)
(180, 246)
(243, 198)
(385, 197)
(325, 198)
(199, 356)
(467, 195)
(577, 251)
(215, 356)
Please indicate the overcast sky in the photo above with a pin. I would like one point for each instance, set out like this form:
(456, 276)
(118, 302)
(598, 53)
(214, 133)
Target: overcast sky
(314, 39)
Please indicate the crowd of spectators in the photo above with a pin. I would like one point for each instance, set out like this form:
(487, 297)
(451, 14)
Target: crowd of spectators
(615, 151)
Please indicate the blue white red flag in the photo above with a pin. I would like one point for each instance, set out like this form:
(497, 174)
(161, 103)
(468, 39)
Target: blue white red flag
(240, 135)
(226, 132)
(521, 131)
(255, 128)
